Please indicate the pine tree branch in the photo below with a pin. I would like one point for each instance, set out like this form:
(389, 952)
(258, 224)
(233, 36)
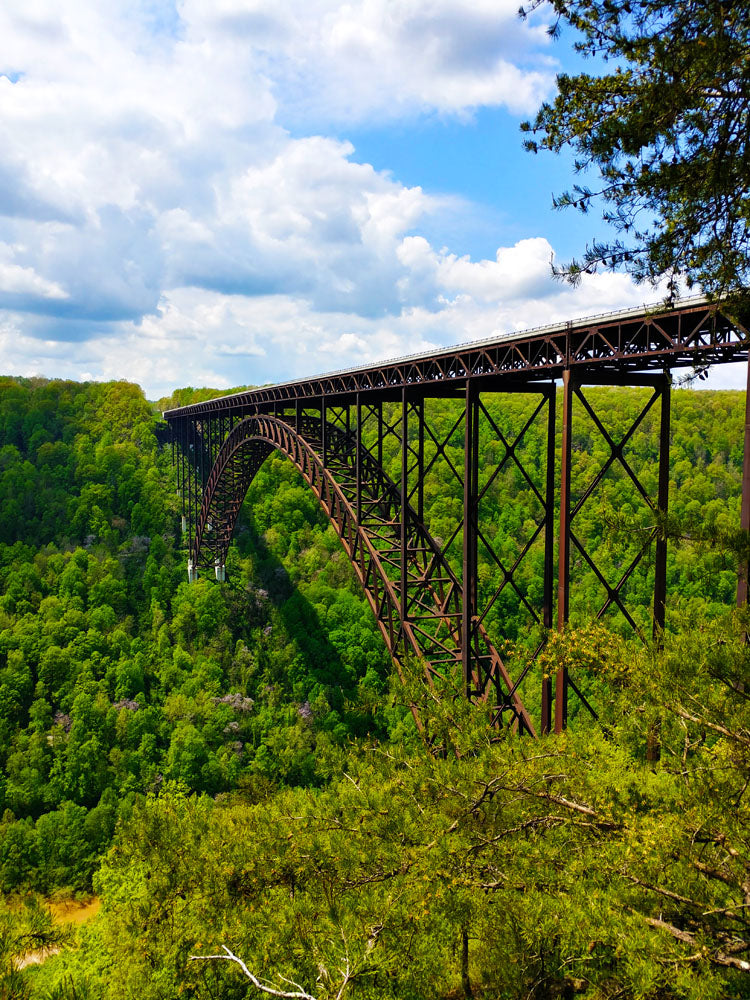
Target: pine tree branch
(722, 730)
(662, 892)
(717, 957)
(574, 807)
(299, 994)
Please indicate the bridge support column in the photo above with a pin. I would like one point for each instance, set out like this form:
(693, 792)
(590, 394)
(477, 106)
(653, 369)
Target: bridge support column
(379, 443)
(183, 524)
(744, 577)
(471, 489)
(549, 549)
(324, 430)
(358, 461)
(660, 569)
(220, 571)
(192, 570)
(563, 572)
(192, 474)
(404, 540)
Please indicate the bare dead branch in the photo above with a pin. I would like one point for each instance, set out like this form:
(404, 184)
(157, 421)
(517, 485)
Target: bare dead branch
(228, 956)
(717, 957)
(575, 807)
(737, 737)
(714, 873)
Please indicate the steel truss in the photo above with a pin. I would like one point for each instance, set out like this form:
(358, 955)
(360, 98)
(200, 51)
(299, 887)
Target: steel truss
(570, 508)
(413, 591)
(410, 461)
(624, 343)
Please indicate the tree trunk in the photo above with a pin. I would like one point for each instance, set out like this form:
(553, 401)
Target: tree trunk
(465, 981)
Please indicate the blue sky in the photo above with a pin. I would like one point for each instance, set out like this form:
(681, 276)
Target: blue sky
(224, 192)
(481, 159)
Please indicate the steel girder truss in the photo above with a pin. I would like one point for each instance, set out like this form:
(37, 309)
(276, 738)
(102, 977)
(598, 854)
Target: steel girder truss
(416, 596)
(570, 541)
(370, 446)
(436, 588)
(694, 334)
(370, 464)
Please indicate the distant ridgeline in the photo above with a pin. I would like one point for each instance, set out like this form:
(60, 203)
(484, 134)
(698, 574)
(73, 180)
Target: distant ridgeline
(117, 676)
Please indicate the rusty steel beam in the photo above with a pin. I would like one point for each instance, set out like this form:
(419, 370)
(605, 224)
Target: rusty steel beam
(622, 344)
(744, 576)
(404, 509)
(549, 552)
(340, 430)
(660, 555)
(469, 541)
(563, 571)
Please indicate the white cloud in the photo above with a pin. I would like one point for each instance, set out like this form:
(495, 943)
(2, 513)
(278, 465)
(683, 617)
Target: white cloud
(136, 162)
(346, 61)
(200, 337)
(160, 222)
(516, 271)
(24, 281)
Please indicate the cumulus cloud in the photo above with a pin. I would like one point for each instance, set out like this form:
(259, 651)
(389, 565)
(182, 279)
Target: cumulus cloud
(349, 61)
(167, 218)
(516, 272)
(200, 337)
(24, 284)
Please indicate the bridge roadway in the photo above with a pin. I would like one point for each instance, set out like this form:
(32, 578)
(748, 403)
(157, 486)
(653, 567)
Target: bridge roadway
(370, 441)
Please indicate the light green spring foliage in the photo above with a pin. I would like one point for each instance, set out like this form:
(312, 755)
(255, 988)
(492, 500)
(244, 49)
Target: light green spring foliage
(568, 867)
(115, 674)
(574, 866)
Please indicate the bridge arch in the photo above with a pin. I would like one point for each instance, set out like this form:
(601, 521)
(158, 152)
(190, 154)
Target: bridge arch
(636, 347)
(437, 592)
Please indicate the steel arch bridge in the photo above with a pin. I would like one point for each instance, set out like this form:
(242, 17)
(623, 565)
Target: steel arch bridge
(372, 442)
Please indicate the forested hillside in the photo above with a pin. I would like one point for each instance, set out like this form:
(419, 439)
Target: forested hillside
(234, 765)
(115, 674)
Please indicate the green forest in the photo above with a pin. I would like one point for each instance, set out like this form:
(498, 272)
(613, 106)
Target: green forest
(232, 771)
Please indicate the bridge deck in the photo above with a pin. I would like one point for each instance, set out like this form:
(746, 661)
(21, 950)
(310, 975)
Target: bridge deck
(608, 347)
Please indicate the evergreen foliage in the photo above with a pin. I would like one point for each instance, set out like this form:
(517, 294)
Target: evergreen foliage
(230, 765)
(667, 131)
(492, 867)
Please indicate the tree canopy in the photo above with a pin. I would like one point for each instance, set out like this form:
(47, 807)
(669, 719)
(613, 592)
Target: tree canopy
(667, 131)
(230, 766)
